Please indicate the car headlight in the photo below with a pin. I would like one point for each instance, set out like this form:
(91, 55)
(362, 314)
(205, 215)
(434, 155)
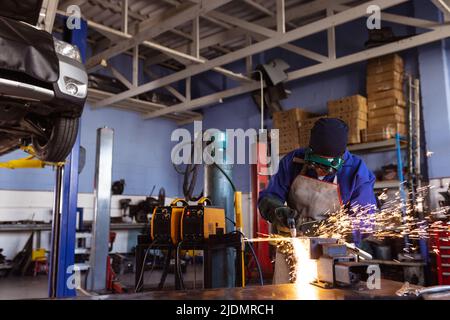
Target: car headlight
(67, 50)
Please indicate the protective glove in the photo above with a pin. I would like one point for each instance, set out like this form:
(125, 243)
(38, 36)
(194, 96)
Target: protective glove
(286, 217)
(274, 210)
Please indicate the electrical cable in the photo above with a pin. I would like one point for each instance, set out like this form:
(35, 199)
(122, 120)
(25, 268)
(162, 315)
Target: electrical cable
(143, 267)
(190, 176)
(258, 265)
(226, 176)
(234, 223)
(212, 160)
(231, 184)
(166, 269)
(195, 269)
(178, 265)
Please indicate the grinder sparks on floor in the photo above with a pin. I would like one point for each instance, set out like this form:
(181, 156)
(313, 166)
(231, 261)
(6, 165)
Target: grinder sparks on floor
(313, 182)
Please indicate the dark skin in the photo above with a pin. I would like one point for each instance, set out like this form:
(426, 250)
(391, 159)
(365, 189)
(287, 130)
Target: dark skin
(320, 172)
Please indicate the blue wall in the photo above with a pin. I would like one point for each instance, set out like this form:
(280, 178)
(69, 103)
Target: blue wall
(434, 61)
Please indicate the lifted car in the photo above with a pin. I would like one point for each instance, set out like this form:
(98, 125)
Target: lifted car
(43, 85)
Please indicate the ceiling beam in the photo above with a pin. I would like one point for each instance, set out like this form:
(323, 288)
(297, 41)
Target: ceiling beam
(141, 106)
(121, 77)
(195, 48)
(437, 34)
(206, 100)
(261, 33)
(444, 6)
(281, 16)
(125, 16)
(331, 37)
(399, 19)
(179, 56)
(259, 7)
(179, 15)
(297, 12)
(304, 31)
(171, 89)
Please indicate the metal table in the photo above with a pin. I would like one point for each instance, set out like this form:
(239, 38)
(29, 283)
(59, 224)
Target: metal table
(208, 246)
(19, 227)
(269, 292)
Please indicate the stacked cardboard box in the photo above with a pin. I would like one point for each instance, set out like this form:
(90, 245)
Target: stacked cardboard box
(305, 130)
(352, 110)
(386, 101)
(287, 122)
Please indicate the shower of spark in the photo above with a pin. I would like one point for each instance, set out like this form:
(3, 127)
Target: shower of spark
(396, 219)
(305, 268)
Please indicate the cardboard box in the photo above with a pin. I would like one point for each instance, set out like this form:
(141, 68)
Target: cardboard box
(387, 59)
(307, 124)
(393, 118)
(354, 130)
(386, 63)
(387, 111)
(347, 116)
(357, 124)
(287, 125)
(390, 75)
(288, 143)
(384, 86)
(394, 93)
(289, 118)
(383, 132)
(385, 68)
(288, 135)
(354, 137)
(383, 103)
(347, 104)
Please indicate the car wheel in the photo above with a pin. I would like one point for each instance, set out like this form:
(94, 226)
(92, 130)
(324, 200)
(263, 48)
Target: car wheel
(62, 136)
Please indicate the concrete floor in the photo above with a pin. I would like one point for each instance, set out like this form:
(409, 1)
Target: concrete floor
(23, 287)
(29, 287)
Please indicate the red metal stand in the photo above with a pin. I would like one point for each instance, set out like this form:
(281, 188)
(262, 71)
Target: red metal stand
(260, 180)
(112, 283)
(442, 246)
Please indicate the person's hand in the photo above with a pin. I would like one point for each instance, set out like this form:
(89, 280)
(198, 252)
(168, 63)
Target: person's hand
(283, 216)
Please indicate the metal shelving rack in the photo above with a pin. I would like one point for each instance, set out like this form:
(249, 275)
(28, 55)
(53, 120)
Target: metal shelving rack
(394, 144)
(411, 143)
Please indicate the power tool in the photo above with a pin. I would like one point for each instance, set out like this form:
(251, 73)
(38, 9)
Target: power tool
(165, 223)
(200, 221)
(292, 228)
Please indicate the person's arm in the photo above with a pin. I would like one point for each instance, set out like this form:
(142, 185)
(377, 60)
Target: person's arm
(276, 193)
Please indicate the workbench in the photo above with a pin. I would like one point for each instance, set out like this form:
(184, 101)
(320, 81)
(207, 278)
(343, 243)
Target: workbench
(268, 292)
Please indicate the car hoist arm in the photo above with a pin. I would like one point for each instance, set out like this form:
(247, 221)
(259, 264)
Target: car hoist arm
(30, 162)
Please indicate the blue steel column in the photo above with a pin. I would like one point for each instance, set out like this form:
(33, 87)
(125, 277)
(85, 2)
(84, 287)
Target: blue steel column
(66, 253)
(220, 191)
(401, 178)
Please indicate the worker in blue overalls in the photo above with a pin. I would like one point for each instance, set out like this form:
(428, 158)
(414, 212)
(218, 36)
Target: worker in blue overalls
(313, 182)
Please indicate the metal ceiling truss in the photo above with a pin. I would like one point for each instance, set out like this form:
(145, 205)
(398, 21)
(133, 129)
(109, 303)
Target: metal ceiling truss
(444, 6)
(196, 36)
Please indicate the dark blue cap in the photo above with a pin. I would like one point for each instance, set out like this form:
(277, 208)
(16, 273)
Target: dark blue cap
(329, 137)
